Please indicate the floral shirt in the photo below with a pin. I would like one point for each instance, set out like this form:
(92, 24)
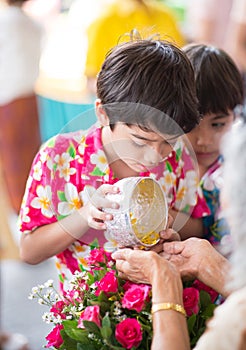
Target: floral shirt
(215, 225)
(69, 165)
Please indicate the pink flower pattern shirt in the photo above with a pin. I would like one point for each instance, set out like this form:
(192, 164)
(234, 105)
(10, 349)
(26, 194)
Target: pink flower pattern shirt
(69, 165)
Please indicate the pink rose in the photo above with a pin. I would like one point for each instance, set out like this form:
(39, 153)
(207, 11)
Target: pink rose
(91, 313)
(136, 296)
(201, 286)
(108, 284)
(97, 256)
(54, 337)
(191, 300)
(128, 333)
(127, 285)
(57, 309)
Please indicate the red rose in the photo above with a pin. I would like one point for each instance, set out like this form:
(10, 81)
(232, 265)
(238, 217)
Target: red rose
(201, 286)
(108, 284)
(128, 333)
(54, 337)
(191, 300)
(136, 296)
(91, 313)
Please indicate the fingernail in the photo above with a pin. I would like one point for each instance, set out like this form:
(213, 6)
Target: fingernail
(108, 217)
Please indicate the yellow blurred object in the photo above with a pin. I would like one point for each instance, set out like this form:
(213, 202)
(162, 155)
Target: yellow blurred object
(118, 19)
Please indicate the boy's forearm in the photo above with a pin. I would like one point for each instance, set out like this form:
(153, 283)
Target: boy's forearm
(51, 239)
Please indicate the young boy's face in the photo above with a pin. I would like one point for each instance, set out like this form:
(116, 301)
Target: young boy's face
(141, 150)
(206, 138)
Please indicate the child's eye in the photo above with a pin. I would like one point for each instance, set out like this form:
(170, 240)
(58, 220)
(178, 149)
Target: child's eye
(137, 144)
(218, 125)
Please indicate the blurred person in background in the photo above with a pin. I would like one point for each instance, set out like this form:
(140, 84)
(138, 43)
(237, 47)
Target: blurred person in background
(20, 43)
(208, 21)
(120, 18)
(236, 35)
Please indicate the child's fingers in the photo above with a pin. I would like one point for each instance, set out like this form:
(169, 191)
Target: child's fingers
(100, 201)
(105, 189)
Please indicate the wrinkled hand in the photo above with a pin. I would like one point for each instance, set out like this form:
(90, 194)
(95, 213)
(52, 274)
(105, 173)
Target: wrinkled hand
(136, 265)
(93, 212)
(190, 256)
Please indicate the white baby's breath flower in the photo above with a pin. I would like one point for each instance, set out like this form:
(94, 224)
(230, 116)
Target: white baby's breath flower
(73, 309)
(31, 296)
(49, 284)
(41, 301)
(76, 295)
(48, 317)
(81, 306)
(35, 290)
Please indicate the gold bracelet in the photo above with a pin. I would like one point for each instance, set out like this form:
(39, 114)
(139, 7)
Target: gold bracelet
(168, 306)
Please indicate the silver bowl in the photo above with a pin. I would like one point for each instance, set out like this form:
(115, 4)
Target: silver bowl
(143, 212)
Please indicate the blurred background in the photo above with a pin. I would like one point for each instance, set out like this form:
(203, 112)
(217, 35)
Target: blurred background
(50, 54)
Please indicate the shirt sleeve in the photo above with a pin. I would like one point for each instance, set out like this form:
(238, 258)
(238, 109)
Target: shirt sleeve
(36, 209)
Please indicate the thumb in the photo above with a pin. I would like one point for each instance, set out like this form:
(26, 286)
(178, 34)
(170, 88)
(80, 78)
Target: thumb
(120, 254)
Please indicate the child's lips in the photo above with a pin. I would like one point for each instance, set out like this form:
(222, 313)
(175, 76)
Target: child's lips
(204, 154)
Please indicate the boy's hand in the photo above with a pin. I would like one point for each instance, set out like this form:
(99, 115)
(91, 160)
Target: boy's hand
(167, 235)
(93, 211)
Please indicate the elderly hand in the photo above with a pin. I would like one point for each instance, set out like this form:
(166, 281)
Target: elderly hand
(189, 255)
(137, 265)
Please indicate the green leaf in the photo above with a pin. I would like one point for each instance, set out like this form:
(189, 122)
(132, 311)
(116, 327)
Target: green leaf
(106, 329)
(205, 299)
(209, 311)
(191, 323)
(68, 343)
(70, 327)
(87, 347)
(178, 154)
(51, 142)
(94, 244)
(106, 321)
(60, 217)
(97, 172)
(90, 279)
(61, 196)
(91, 327)
(71, 150)
(106, 332)
(169, 167)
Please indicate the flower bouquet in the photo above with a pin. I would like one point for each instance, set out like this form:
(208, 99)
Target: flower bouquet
(99, 310)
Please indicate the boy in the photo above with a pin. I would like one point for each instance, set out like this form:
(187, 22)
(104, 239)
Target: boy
(219, 90)
(146, 99)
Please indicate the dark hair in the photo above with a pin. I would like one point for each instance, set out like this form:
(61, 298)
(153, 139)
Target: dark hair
(12, 2)
(219, 84)
(150, 73)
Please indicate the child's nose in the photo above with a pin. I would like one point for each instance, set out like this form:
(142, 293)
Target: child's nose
(204, 138)
(153, 155)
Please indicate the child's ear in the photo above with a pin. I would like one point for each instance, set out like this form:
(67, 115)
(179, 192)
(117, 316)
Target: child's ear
(100, 113)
